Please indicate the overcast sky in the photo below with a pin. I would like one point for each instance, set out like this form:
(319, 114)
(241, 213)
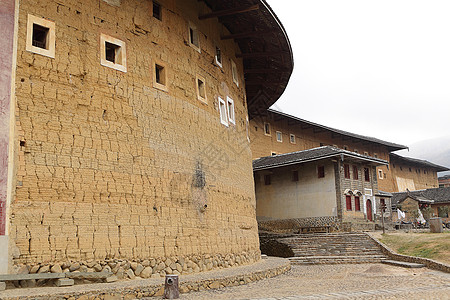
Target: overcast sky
(378, 68)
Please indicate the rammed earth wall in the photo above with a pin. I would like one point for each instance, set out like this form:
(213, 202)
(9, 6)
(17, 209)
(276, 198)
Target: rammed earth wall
(110, 167)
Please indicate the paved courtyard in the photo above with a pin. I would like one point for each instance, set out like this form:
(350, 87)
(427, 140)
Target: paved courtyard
(357, 281)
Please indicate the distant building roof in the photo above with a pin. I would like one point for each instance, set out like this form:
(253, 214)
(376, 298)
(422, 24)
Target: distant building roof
(384, 194)
(438, 195)
(275, 161)
(444, 177)
(389, 145)
(419, 162)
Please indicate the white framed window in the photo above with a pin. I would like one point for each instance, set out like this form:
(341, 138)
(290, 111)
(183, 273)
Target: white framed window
(230, 109)
(234, 73)
(223, 112)
(292, 138)
(113, 53)
(193, 37)
(266, 128)
(366, 153)
(218, 57)
(160, 75)
(368, 192)
(279, 137)
(201, 89)
(273, 153)
(380, 174)
(40, 36)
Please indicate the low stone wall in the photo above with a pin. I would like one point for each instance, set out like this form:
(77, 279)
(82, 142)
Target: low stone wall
(432, 264)
(148, 268)
(265, 268)
(293, 225)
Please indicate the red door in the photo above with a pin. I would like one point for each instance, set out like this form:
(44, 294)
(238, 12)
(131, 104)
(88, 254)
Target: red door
(369, 210)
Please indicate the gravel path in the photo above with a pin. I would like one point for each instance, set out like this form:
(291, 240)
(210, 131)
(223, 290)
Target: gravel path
(359, 281)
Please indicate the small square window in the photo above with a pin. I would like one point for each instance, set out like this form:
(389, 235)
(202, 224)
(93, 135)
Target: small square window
(273, 153)
(292, 138)
(223, 112)
(218, 57)
(320, 171)
(266, 128)
(279, 137)
(366, 153)
(194, 40)
(267, 180)
(234, 73)
(157, 11)
(356, 151)
(201, 89)
(112, 53)
(41, 36)
(294, 176)
(160, 76)
(230, 109)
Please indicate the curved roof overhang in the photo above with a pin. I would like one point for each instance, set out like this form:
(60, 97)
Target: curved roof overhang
(265, 48)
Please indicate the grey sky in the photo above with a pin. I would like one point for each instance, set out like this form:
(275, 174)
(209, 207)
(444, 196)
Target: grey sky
(379, 68)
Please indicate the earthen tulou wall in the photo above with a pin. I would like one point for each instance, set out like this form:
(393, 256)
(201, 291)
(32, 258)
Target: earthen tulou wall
(115, 169)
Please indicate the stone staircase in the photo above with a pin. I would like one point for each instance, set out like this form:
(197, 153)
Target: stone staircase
(331, 248)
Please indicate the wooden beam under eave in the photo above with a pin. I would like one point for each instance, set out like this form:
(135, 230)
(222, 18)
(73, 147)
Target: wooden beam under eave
(260, 54)
(228, 12)
(247, 34)
(258, 71)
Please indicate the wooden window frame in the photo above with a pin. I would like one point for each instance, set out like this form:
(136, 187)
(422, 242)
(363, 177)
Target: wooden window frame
(122, 53)
(355, 173)
(366, 174)
(280, 134)
(194, 36)
(160, 86)
(231, 111)
(357, 203)
(348, 203)
(346, 171)
(292, 138)
(201, 88)
(270, 129)
(223, 112)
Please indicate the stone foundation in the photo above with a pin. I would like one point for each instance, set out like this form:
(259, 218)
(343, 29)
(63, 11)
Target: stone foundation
(145, 268)
(296, 225)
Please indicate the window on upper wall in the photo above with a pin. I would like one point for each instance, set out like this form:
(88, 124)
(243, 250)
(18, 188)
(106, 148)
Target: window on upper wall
(40, 36)
(201, 89)
(157, 11)
(295, 175)
(356, 151)
(410, 170)
(345, 147)
(218, 57)
(320, 171)
(366, 174)
(380, 174)
(375, 155)
(273, 153)
(266, 128)
(230, 109)
(194, 39)
(357, 204)
(355, 173)
(223, 112)
(366, 153)
(347, 171)
(267, 180)
(292, 138)
(382, 203)
(348, 202)
(279, 137)
(160, 76)
(113, 53)
(234, 73)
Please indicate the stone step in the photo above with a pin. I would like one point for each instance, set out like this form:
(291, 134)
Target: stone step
(337, 259)
(403, 264)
